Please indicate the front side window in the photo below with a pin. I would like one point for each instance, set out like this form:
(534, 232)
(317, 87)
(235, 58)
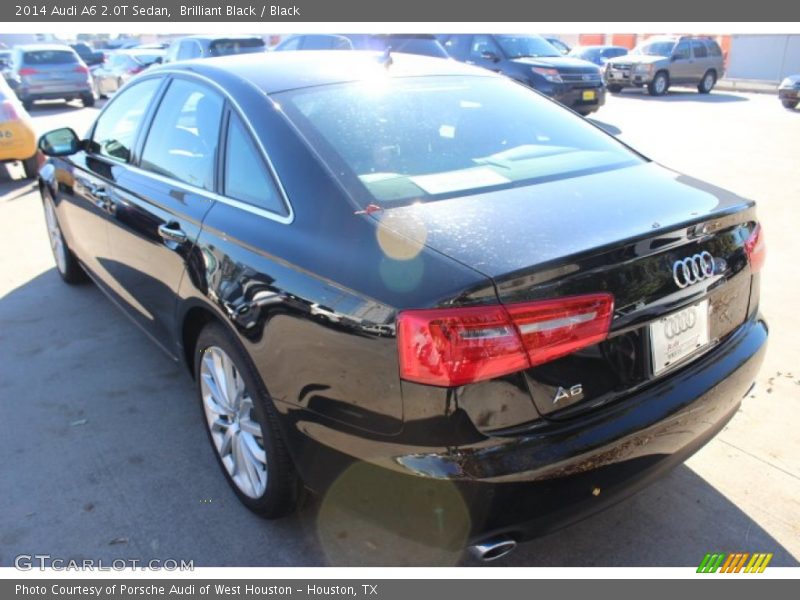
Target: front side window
(116, 129)
(183, 137)
(483, 45)
(246, 175)
(423, 138)
(682, 51)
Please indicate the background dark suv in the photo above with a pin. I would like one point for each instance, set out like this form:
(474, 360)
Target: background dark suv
(532, 60)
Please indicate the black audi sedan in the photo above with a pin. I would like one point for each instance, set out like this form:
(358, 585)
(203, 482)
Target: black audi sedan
(499, 316)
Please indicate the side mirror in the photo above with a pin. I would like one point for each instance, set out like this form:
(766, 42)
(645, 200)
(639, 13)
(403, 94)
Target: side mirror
(489, 55)
(60, 142)
(674, 57)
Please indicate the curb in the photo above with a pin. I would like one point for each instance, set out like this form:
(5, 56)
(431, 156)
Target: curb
(748, 85)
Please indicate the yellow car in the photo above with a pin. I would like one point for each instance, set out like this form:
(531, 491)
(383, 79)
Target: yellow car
(17, 137)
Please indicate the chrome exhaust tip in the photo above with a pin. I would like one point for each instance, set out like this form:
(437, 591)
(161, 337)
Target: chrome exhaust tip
(493, 548)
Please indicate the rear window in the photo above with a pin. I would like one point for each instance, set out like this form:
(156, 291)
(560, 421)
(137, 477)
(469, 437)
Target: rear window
(227, 47)
(49, 57)
(425, 138)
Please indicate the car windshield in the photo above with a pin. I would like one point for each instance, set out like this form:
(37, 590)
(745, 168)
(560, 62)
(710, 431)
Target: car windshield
(50, 57)
(424, 138)
(236, 46)
(518, 46)
(661, 48)
(146, 59)
(586, 53)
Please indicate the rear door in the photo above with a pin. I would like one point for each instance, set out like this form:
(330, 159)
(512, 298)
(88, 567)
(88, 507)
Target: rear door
(682, 68)
(159, 206)
(701, 60)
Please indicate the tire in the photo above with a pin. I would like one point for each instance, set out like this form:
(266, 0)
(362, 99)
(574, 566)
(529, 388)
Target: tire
(268, 487)
(707, 82)
(31, 167)
(66, 264)
(614, 89)
(659, 85)
(87, 100)
(790, 104)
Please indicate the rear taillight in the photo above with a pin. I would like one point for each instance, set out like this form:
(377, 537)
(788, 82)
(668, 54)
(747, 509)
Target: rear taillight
(756, 249)
(8, 111)
(81, 69)
(456, 346)
(28, 71)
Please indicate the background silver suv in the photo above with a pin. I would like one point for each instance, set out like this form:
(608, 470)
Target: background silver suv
(49, 72)
(662, 61)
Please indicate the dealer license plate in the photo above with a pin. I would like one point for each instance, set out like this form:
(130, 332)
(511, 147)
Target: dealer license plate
(678, 335)
(589, 95)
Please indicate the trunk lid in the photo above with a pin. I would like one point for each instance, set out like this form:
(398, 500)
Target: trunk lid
(620, 231)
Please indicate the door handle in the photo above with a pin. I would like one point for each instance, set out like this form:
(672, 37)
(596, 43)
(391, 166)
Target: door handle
(172, 232)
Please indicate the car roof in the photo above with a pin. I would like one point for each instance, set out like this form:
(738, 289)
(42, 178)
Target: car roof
(216, 36)
(37, 47)
(281, 71)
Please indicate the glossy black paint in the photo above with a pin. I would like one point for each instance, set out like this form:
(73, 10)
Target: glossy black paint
(313, 300)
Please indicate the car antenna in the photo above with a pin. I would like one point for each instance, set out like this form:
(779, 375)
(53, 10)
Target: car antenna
(386, 57)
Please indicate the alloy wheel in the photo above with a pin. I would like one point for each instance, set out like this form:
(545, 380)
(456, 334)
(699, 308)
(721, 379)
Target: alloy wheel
(56, 238)
(234, 427)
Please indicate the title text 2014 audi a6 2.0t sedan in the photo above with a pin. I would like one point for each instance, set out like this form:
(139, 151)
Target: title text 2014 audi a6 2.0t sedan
(418, 268)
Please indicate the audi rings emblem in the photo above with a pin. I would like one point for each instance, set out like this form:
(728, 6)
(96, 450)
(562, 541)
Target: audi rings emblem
(693, 269)
(680, 323)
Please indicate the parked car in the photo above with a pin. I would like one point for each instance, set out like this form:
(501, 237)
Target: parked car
(789, 91)
(88, 55)
(49, 72)
(121, 66)
(531, 60)
(419, 269)
(208, 46)
(17, 137)
(659, 62)
(425, 45)
(5, 63)
(598, 55)
(559, 45)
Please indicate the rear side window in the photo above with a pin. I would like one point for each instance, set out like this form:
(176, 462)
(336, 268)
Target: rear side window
(115, 131)
(713, 48)
(49, 57)
(699, 49)
(246, 175)
(183, 138)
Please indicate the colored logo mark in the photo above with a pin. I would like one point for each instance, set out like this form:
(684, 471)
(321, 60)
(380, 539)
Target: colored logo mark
(735, 563)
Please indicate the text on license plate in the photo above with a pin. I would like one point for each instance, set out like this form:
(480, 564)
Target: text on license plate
(589, 95)
(678, 335)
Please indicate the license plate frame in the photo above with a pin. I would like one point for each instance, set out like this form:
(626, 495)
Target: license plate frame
(678, 336)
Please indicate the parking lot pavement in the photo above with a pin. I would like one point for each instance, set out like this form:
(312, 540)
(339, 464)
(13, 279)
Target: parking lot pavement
(105, 456)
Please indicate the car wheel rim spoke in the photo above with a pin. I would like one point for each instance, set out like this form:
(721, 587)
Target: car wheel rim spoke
(236, 434)
(54, 233)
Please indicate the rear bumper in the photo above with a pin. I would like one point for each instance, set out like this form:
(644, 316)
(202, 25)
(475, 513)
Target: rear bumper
(62, 92)
(554, 473)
